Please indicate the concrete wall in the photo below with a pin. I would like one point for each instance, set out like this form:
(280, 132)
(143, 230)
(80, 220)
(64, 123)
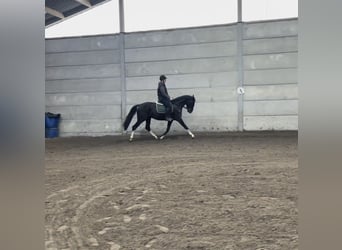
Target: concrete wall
(199, 61)
(83, 84)
(89, 84)
(270, 76)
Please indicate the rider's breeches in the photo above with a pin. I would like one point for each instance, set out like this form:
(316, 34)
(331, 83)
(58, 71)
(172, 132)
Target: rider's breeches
(168, 105)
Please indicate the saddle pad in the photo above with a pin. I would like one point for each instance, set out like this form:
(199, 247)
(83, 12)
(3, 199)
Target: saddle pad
(160, 108)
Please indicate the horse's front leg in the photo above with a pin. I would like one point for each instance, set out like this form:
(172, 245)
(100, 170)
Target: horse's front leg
(148, 128)
(181, 122)
(167, 130)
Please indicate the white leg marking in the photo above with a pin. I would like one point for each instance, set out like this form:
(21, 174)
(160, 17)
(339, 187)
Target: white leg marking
(162, 137)
(153, 134)
(131, 137)
(190, 133)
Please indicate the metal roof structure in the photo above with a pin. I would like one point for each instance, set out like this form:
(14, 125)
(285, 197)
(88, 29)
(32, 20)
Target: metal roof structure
(59, 10)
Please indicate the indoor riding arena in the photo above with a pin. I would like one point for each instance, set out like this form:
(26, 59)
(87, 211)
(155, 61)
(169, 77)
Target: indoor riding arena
(233, 186)
(217, 191)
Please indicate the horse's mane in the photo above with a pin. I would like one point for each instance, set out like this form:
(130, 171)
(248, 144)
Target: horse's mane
(181, 98)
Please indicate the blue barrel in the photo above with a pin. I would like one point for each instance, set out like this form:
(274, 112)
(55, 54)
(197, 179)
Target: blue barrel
(51, 132)
(52, 125)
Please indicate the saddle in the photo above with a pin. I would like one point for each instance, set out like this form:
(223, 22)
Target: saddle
(160, 108)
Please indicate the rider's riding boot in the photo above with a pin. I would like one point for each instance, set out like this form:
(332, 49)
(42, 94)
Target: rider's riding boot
(168, 118)
(168, 114)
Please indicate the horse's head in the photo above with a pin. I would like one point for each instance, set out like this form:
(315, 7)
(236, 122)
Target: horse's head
(190, 103)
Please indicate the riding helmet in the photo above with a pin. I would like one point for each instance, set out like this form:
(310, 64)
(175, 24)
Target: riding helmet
(162, 77)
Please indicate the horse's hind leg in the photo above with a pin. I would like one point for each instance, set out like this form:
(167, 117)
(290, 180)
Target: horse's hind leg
(148, 128)
(134, 127)
(167, 129)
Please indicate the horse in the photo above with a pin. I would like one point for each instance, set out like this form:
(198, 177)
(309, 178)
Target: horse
(147, 110)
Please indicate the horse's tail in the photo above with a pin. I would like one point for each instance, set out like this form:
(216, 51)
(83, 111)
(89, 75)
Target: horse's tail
(130, 116)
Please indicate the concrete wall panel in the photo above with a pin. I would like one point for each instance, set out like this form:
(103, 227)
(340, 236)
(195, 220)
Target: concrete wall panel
(270, 45)
(78, 99)
(180, 36)
(272, 76)
(181, 66)
(90, 127)
(270, 61)
(215, 109)
(83, 85)
(273, 92)
(271, 108)
(82, 44)
(79, 72)
(270, 29)
(201, 95)
(82, 58)
(213, 124)
(213, 95)
(87, 112)
(191, 51)
(200, 80)
(253, 123)
(141, 96)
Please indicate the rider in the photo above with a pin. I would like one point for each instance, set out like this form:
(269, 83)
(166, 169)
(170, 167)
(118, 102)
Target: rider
(164, 98)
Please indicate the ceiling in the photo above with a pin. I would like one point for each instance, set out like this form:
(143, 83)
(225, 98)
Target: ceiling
(59, 10)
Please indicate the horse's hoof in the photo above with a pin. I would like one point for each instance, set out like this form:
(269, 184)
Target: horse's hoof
(161, 138)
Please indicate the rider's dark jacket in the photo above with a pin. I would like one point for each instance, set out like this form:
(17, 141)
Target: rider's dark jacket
(162, 92)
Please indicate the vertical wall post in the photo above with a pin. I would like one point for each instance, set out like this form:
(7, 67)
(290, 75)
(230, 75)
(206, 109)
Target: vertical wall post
(239, 11)
(122, 16)
(240, 66)
(122, 60)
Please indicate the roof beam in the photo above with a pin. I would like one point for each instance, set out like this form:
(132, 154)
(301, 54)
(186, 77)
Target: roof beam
(84, 2)
(54, 12)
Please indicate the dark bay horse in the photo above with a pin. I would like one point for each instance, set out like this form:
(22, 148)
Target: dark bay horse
(147, 110)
